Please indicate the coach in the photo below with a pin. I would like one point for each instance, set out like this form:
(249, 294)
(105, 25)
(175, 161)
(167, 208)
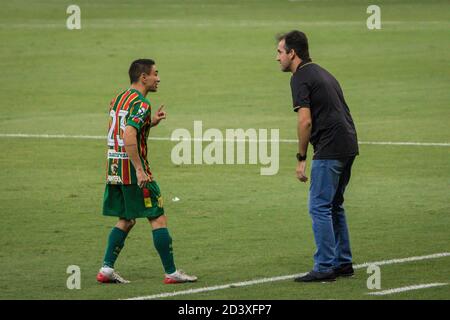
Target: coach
(324, 120)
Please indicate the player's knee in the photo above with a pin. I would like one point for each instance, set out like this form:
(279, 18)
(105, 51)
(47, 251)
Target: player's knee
(159, 222)
(131, 223)
(126, 225)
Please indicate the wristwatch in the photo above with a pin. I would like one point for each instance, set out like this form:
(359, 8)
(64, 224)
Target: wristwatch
(300, 157)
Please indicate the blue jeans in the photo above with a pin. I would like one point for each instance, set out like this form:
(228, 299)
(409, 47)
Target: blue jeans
(326, 198)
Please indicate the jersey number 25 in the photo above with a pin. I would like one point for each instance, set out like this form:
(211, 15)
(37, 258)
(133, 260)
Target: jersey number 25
(121, 116)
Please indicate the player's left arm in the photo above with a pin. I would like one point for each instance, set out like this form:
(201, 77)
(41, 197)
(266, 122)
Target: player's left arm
(131, 146)
(159, 115)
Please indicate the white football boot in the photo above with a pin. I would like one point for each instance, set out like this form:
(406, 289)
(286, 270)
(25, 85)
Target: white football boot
(108, 275)
(179, 276)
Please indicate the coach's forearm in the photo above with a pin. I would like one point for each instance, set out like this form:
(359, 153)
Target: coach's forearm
(304, 134)
(130, 141)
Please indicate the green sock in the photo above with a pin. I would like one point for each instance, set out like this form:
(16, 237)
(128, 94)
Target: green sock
(116, 241)
(163, 244)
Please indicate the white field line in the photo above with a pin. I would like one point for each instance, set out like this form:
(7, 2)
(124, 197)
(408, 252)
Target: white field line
(408, 288)
(281, 278)
(403, 260)
(65, 136)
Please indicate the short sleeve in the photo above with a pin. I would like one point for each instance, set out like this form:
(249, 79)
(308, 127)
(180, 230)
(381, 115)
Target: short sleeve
(300, 94)
(139, 112)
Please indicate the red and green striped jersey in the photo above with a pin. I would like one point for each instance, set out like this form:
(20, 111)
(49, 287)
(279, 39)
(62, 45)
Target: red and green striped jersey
(129, 108)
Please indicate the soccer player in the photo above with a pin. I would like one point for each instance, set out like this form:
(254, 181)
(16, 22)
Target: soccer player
(131, 192)
(324, 120)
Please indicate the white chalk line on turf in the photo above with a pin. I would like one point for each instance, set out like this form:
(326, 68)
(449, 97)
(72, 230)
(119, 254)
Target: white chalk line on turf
(87, 137)
(407, 288)
(281, 278)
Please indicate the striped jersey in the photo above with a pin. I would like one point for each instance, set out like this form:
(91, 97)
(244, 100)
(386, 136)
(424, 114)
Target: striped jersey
(129, 108)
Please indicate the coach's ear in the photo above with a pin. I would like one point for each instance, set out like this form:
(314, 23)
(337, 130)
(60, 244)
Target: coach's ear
(292, 54)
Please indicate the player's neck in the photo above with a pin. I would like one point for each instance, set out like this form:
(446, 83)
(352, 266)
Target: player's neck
(139, 87)
(294, 65)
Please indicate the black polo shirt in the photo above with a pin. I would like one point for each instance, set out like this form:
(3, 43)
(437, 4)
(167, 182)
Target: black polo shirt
(333, 133)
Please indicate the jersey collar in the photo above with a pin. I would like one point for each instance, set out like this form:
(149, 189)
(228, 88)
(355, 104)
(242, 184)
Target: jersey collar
(304, 63)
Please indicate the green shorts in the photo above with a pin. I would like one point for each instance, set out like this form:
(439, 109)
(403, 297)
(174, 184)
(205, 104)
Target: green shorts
(128, 202)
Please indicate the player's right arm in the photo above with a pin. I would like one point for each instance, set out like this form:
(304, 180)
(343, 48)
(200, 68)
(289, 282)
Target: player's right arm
(130, 141)
(304, 125)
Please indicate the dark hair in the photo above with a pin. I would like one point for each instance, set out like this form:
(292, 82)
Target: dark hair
(297, 41)
(139, 67)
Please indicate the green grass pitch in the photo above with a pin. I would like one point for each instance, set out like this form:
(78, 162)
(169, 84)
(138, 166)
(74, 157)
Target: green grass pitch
(217, 64)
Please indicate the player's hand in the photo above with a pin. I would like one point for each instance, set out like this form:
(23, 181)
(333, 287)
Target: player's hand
(143, 178)
(300, 171)
(159, 115)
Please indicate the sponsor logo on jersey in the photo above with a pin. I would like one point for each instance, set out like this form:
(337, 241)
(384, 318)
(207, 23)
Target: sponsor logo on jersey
(114, 168)
(112, 154)
(114, 179)
(139, 117)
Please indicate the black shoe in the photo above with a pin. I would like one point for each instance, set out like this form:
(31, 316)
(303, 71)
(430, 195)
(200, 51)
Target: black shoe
(344, 270)
(314, 276)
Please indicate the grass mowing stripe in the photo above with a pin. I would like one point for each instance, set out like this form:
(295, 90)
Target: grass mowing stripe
(64, 136)
(281, 278)
(407, 288)
(136, 23)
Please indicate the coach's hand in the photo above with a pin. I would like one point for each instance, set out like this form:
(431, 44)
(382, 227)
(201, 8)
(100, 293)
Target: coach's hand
(159, 115)
(301, 168)
(142, 178)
